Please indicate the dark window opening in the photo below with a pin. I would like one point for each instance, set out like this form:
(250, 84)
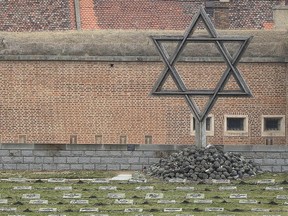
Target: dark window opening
(123, 139)
(272, 124)
(235, 124)
(148, 139)
(73, 139)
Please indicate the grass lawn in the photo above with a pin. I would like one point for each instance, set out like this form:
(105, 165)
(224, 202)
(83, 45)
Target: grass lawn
(81, 183)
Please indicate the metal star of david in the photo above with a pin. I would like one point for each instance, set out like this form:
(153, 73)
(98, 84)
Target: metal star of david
(231, 62)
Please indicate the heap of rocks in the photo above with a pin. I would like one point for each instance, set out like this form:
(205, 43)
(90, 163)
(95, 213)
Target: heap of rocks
(198, 164)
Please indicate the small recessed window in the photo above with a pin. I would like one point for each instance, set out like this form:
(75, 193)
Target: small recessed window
(22, 139)
(73, 139)
(123, 139)
(273, 125)
(98, 139)
(209, 125)
(236, 125)
(148, 139)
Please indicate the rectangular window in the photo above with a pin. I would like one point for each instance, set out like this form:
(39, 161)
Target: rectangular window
(148, 139)
(98, 139)
(273, 125)
(235, 125)
(123, 139)
(22, 139)
(209, 125)
(73, 139)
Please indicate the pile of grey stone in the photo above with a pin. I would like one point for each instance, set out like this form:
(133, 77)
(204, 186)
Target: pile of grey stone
(198, 164)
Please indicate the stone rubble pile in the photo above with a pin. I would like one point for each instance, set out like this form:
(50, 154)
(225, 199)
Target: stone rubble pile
(198, 164)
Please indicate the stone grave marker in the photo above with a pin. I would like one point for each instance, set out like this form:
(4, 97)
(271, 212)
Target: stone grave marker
(72, 196)
(79, 202)
(47, 210)
(31, 196)
(282, 197)
(63, 188)
(5, 209)
(248, 201)
(166, 201)
(172, 209)
(195, 196)
(144, 215)
(3, 201)
(271, 215)
(285, 203)
(116, 195)
(227, 188)
(199, 201)
(145, 188)
(22, 188)
(107, 188)
(154, 196)
(19, 180)
(89, 210)
(177, 180)
(225, 215)
(38, 202)
(184, 215)
(260, 210)
(56, 180)
(124, 201)
(221, 181)
(122, 177)
(100, 181)
(266, 181)
(274, 188)
(238, 196)
(56, 215)
(185, 188)
(133, 210)
(214, 209)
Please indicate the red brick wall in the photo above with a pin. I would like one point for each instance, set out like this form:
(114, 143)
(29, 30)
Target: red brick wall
(50, 100)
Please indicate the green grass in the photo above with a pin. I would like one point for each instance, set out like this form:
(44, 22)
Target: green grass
(98, 198)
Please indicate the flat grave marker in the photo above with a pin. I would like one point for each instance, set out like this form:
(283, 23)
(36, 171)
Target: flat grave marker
(266, 181)
(31, 196)
(89, 210)
(184, 215)
(145, 188)
(238, 196)
(124, 201)
(47, 210)
(3, 201)
(200, 201)
(227, 188)
(166, 201)
(8, 209)
(172, 209)
(195, 196)
(221, 181)
(137, 180)
(72, 196)
(100, 181)
(19, 180)
(214, 209)
(185, 188)
(248, 201)
(154, 196)
(57, 180)
(177, 180)
(282, 197)
(116, 195)
(22, 188)
(133, 210)
(274, 188)
(122, 177)
(107, 188)
(260, 210)
(38, 202)
(79, 202)
(63, 188)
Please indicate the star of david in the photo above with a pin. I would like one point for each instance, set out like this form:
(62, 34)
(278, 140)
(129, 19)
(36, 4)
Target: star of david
(231, 62)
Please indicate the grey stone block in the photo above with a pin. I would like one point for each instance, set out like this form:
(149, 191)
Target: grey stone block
(22, 166)
(49, 166)
(267, 168)
(50, 147)
(9, 166)
(285, 168)
(63, 166)
(89, 153)
(72, 160)
(95, 160)
(114, 153)
(269, 161)
(76, 166)
(77, 153)
(38, 159)
(88, 166)
(64, 153)
(281, 162)
(153, 160)
(60, 160)
(43, 153)
(133, 160)
(274, 155)
(29, 159)
(17, 146)
(37, 167)
(48, 160)
(27, 153)
(105, 160)
(284, 155)
(125, 166)
(113, 167)
(277, 169)
(127, 153)
(137, 153)
(258, 161)
(84, 160)
(100, 167)
(15, 153)
(136, 167)
(4, 152)
(149, 153)
(12, 160)
(144, 161)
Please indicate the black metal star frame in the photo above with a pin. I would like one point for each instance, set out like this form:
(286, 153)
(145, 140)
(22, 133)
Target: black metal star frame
(231, 62)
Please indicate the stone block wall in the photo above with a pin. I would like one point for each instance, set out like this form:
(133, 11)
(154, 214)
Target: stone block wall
(120, 157)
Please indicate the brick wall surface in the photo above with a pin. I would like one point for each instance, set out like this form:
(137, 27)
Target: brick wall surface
(46, 15)
(48, 101)
(118, 157)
